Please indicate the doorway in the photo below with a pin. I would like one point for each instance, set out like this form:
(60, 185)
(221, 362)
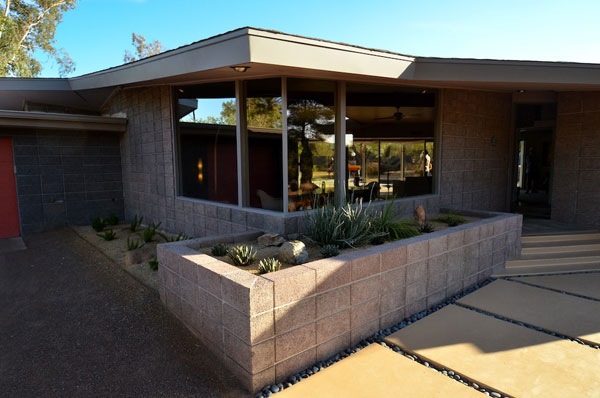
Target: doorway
(9, 210)
(532, 184)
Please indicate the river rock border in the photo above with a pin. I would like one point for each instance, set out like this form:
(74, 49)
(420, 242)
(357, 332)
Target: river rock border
(268, 327)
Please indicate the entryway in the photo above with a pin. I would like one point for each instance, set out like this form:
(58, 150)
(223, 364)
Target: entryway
(9, 210)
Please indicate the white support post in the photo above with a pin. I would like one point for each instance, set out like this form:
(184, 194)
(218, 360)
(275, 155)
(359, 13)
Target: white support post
(340, 144)
(284, 143)
(241, 144)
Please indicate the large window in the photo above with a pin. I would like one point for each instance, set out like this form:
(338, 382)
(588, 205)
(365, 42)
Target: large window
(207, 142)
(389, 142)
(264, 124)
(311, 143)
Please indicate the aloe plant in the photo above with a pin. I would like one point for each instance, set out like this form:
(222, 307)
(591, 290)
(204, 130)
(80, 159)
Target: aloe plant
(108, 235)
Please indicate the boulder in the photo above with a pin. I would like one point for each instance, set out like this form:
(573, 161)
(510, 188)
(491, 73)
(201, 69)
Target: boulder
(420, 216)
(293, 252)
(134, 257)
(270, 240)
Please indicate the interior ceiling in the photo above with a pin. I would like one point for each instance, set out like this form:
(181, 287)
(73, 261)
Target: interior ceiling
(374, 114)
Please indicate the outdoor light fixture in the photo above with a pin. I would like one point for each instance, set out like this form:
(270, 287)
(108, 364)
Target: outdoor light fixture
(240, 68)
(200, 171)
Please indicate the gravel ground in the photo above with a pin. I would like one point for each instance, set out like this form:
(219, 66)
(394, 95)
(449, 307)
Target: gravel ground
(75, 324)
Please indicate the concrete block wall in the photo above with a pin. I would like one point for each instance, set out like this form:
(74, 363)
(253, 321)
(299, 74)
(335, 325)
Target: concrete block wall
(575, 188)
(65, 177)
(475, 131)
(268, 327)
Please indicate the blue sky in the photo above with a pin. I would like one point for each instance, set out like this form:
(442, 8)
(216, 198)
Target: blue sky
(97, 32)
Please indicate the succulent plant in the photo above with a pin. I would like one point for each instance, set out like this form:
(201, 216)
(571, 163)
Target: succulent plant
(108, 235)
(426, 228)
(98, 224)
(267, 265)
(219, 250)
(242, 255)
(330, 251)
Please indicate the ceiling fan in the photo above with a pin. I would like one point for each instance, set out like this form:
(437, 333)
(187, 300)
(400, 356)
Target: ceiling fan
(396, 116)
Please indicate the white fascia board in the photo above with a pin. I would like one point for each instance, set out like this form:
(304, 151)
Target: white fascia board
(200, 57)
(291, 51)
(491, 71)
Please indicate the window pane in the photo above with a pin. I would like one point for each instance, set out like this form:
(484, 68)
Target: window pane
(263, 118)
(207, 141)
(389, 141)
(311, 143)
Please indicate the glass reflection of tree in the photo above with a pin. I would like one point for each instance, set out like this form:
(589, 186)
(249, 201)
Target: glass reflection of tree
(308, 120)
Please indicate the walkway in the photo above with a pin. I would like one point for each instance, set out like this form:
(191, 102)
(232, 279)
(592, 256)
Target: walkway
(76, 325)
(527, 337)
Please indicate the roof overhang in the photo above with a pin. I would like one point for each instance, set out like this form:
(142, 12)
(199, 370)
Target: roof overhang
(270, 53)
(43, 120)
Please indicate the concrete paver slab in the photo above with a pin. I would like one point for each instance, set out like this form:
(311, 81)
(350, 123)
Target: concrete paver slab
(569, 315)
(376, 371)
(512, 359)
(582, 284)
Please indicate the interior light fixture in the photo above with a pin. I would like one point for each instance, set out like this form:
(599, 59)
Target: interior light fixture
(180, 90)
(240, 68)
(521, 91)
(423, 91)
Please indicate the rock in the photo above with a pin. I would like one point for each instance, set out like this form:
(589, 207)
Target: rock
(270, 240)
(134, 257)
(420, 215)
(293, 252)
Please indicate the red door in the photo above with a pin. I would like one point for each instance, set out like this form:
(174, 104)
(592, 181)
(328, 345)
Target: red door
(9, 212)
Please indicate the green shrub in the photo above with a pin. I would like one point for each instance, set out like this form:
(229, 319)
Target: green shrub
(112, 219)
(267, 265)
(330, 251)
(219, 250)
(135, 223)
(133, 244)
(108, 235)
(180, 236)
(242, 255)
(150, 232)
(98, 224)
(452, 220)
(153, 264)
(426, 228)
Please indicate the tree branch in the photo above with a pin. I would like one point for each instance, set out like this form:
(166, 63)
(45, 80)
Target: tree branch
(6, 10)
(33, 24)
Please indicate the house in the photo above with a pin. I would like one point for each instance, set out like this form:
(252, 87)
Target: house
(246, 129)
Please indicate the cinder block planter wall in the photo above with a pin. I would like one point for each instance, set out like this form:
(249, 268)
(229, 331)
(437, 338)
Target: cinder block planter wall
(267, 327)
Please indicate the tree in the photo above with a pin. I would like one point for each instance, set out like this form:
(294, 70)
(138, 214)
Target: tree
(142, 49)
(27, 26)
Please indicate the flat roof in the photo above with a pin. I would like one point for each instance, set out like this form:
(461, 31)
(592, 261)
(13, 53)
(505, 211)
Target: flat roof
(271, 53)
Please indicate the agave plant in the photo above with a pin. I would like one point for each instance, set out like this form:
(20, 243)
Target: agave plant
(219, 250)
(267, 265)
(242, 255)
(108, 235)
(135, 223)
(330, 251)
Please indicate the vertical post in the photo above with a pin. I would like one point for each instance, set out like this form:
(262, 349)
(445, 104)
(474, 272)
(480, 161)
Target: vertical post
(284, 143)
(241, 133)
(340, 144)
(437, 141)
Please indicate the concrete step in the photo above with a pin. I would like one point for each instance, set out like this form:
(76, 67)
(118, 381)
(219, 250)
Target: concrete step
(550, 266)
(560, 240)
(532, 253)
(514, 264)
